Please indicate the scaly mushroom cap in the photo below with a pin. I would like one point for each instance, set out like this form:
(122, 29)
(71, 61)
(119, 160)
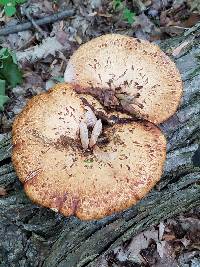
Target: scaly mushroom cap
(57, 172)
(145, 81)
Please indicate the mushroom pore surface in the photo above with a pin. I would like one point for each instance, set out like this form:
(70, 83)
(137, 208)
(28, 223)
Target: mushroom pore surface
(129, 74)
(124, 164)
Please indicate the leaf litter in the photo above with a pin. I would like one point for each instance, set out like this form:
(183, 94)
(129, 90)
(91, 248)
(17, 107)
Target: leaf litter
(171, 243)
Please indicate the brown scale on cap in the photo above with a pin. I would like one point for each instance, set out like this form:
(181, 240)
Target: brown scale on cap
(133, 74)
(90, 183)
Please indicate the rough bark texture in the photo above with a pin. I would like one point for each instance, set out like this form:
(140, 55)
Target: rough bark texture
(34, 236)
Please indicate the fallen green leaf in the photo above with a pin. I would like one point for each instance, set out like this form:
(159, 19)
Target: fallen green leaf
(9, 70)
(4, 53)
(9, 74)
(10, 10)
(20, 1)
(2, 87)
(4, 2)
(10, 6)
(117, 4)
(128, 15)
(3, 98)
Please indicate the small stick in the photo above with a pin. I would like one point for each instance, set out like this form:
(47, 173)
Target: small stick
(28, 25)
(37, 27)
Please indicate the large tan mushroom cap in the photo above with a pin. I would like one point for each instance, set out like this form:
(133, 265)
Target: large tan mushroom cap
(145, 81)
(56, 171)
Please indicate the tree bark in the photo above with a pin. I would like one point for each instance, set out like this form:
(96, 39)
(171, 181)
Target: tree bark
(35, 236)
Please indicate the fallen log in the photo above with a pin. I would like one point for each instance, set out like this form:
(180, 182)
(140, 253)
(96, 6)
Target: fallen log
(35, 236)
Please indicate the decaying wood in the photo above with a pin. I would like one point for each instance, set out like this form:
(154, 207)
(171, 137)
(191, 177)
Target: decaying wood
(35, 236)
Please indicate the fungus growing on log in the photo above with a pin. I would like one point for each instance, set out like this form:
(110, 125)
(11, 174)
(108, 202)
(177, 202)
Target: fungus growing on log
(128, 74)
(89, 171)
(89, 147)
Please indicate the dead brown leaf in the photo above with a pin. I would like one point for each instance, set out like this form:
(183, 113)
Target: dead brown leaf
(49, 46)
(2, 192)
(185, 241)
(168, 237)
(173, 30)
(192, 20)
(167, 255)
(179, 48)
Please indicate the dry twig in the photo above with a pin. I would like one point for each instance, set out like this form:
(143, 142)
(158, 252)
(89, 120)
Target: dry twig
(28, 25)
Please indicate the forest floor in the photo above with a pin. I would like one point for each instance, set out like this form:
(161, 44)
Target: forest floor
(43, 52)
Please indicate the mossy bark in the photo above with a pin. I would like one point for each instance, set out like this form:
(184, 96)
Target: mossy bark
(35, 236)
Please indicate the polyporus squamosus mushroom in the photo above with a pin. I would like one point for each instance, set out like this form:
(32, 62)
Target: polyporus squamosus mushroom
(77, 148)
(128, 74)
(61, 167)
